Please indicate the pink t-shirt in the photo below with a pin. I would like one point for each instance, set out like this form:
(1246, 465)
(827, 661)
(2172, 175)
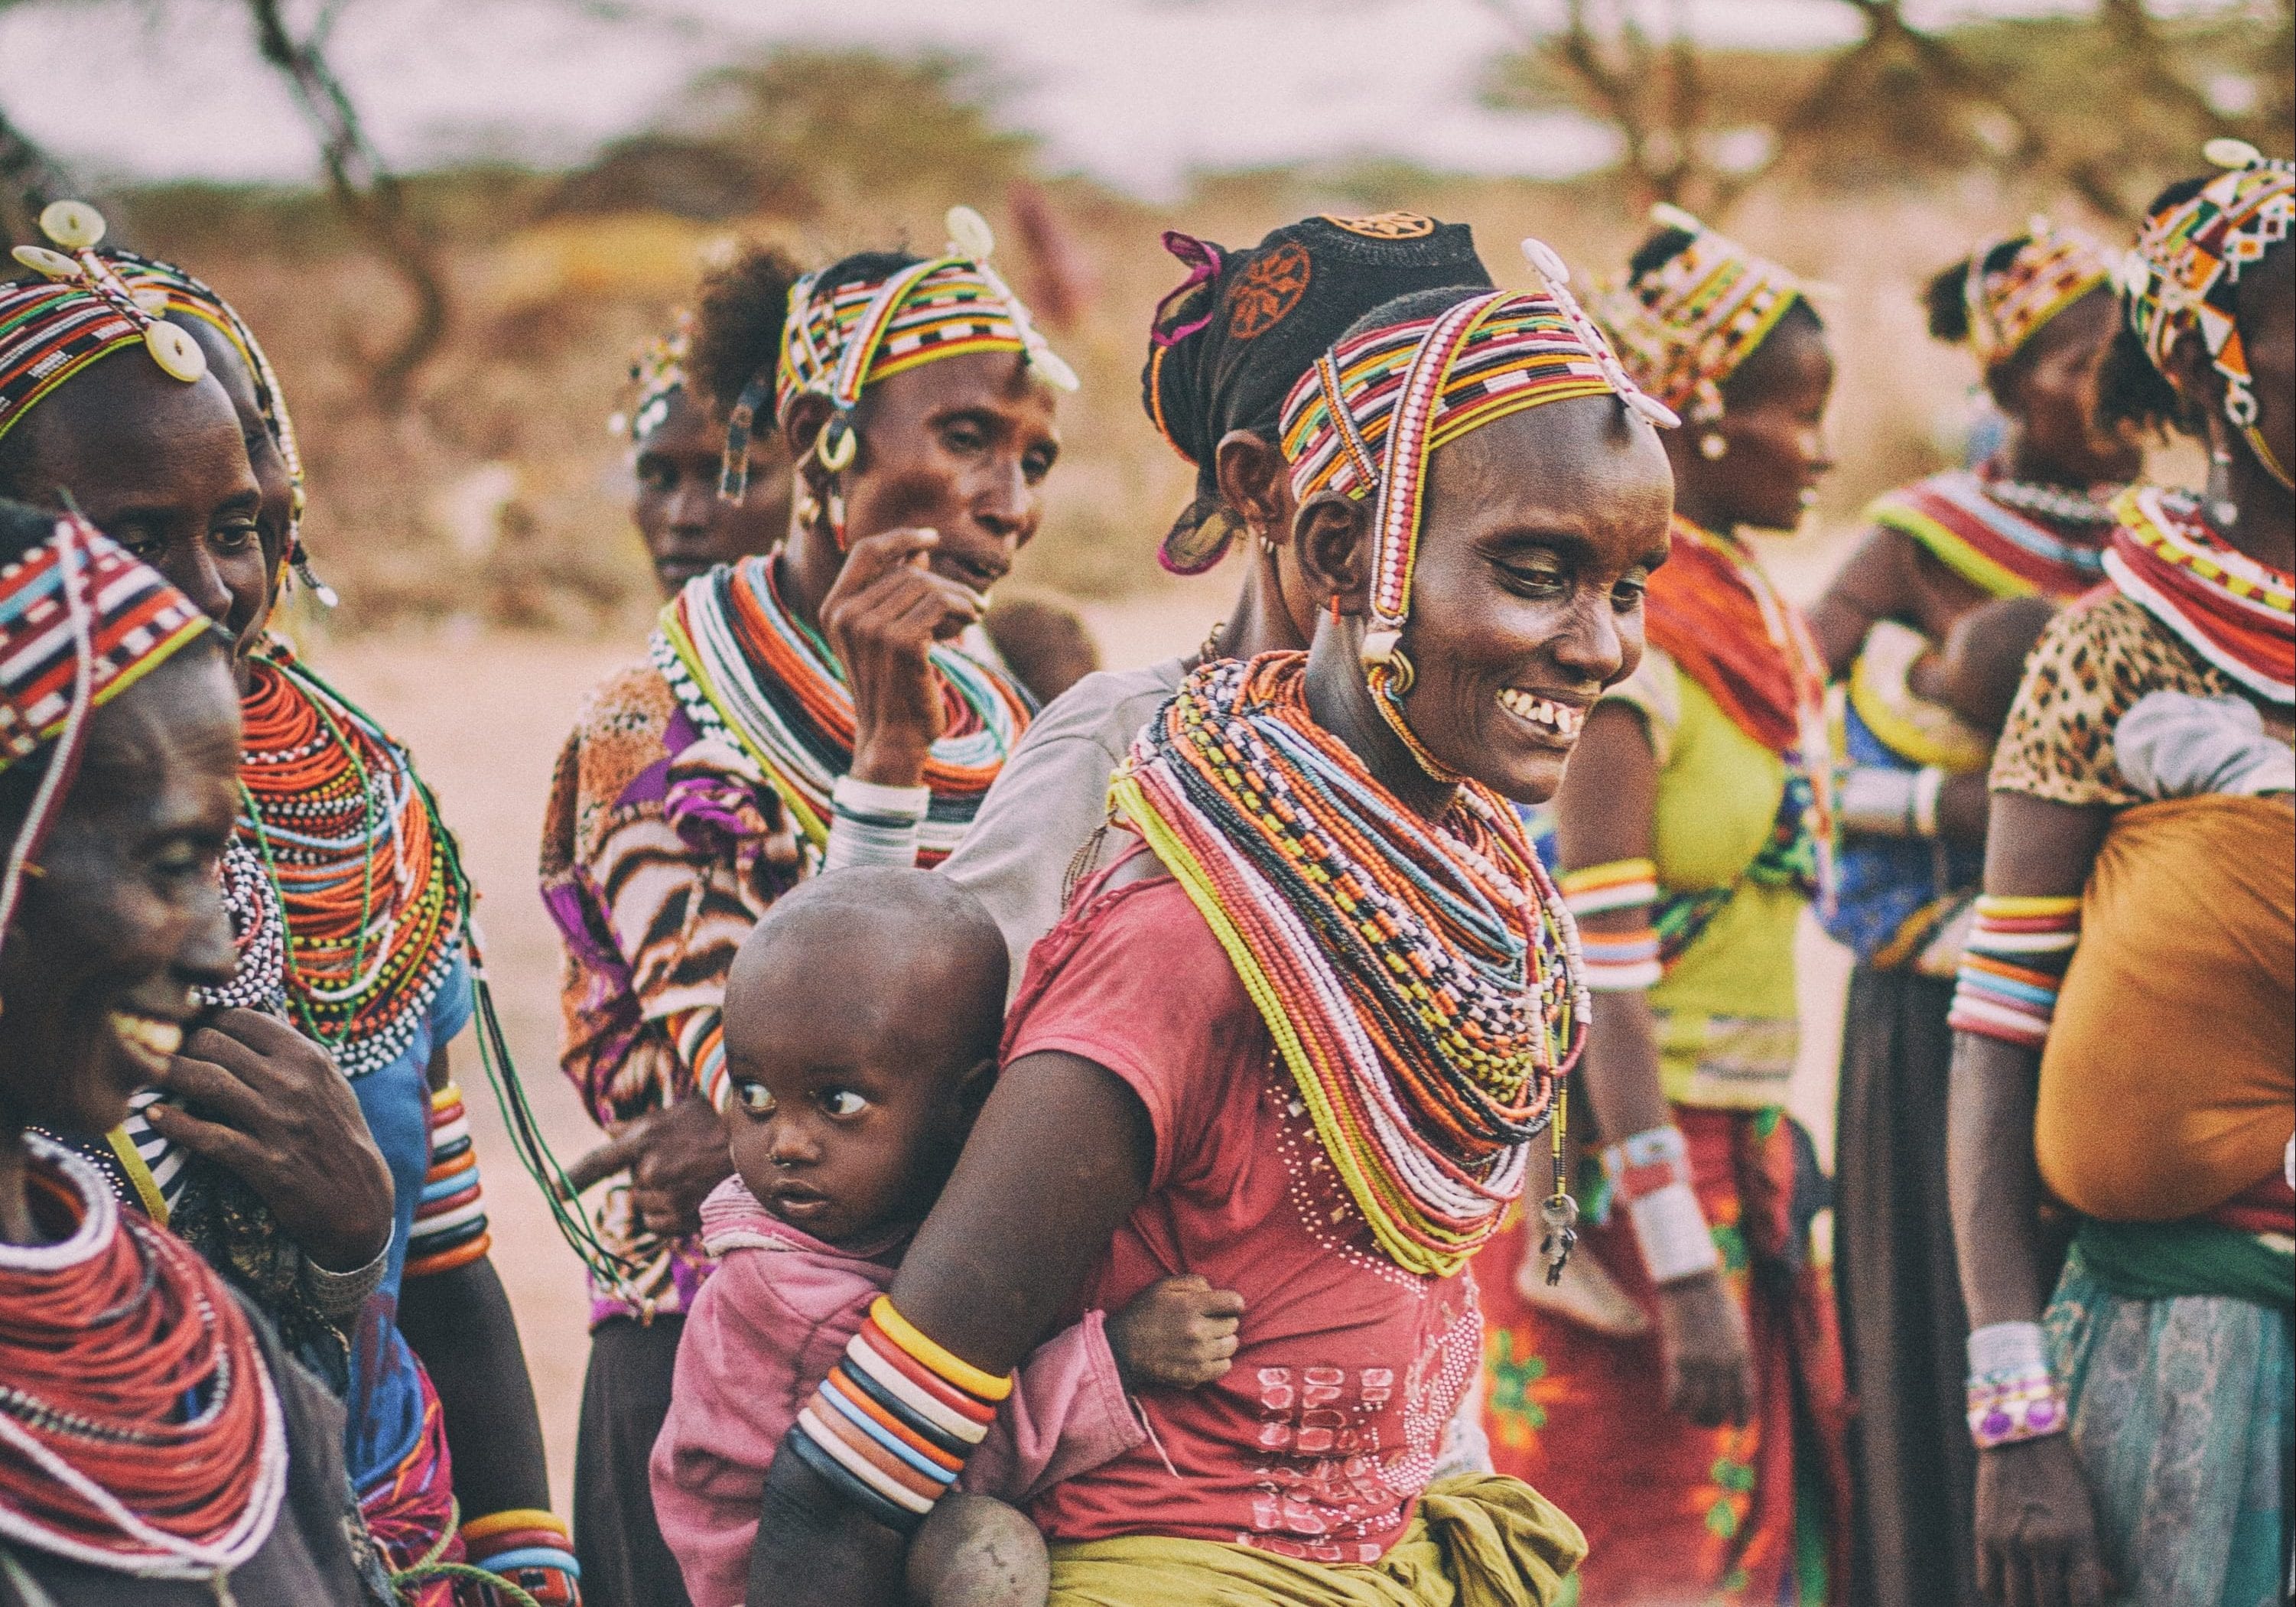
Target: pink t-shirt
(1319, 1441)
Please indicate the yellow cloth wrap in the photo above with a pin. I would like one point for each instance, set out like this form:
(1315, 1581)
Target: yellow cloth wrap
(1477, 1541)
(2168, 1083)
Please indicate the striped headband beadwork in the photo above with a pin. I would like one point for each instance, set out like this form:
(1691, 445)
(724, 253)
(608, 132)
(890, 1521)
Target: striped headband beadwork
(840, 339)
(80, 312)
(1686, 325)
(2052, 269)
(1366, 418)
(2184, 272)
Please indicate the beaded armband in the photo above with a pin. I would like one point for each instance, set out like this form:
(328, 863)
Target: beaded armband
(530, 1549)
(2012, 967)
(892, 1424)
(1617, 961)
(2012, 1395)
(1651, 1172)
(450, 1218)
(872, 824)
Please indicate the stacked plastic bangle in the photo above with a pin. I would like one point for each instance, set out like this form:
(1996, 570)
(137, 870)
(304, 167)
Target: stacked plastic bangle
(2012, 966)
(892, 1424)
(1651, 1172)
(873, 824)
(2012, 1395)
(450, 1220)
(530, 1549)
(1617, 961)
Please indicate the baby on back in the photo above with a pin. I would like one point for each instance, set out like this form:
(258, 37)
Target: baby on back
(862, 1018)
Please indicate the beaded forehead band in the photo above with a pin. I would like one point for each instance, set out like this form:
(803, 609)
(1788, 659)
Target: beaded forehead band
(1367, 418)
(658, 373)
(80, 622)
(839, 340)
(1686, 325)
(82, 311)
(2052, 269)
(2184, 272)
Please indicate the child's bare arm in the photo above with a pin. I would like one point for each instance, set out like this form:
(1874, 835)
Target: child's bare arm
(1175, 1334)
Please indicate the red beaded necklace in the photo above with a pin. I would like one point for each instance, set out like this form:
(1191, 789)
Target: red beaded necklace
(139, 1429)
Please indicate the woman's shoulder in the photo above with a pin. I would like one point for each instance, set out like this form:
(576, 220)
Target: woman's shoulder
(1134, 960)
(1107, 708)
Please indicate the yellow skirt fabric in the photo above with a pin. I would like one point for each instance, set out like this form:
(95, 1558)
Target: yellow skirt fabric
(1478, 1540)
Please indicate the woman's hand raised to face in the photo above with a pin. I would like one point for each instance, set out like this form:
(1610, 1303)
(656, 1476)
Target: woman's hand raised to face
(881, 618)
(275, 1112)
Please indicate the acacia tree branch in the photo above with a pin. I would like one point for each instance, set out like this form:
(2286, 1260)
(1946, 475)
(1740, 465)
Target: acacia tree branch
(367, 192)
(2130, 26)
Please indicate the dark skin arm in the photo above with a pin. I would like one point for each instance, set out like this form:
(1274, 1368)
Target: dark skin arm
(460, 1325)
(1061, 1155)
(2035, 1528)
(1890, 576)
(1608, 805)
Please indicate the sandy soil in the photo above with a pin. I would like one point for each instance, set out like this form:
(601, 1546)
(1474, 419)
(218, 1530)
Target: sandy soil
(485, 715)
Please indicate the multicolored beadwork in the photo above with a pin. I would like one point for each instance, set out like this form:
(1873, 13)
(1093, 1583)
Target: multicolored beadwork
(1684, 326)
(2008, 306)
(2235, 612)
(450, 1217)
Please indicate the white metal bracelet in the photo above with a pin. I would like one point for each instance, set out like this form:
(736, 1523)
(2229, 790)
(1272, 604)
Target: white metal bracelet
(1672, 1232)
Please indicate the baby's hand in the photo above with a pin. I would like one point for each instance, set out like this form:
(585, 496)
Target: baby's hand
(1175, 1334)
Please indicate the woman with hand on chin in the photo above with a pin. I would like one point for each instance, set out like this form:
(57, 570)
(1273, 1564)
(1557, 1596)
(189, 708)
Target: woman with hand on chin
(163, 1449)
(1304, 1036)
(1704, 1455)
(796, 712)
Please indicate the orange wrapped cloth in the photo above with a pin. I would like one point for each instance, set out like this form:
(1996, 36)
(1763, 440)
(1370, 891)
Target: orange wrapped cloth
(2169, 1084)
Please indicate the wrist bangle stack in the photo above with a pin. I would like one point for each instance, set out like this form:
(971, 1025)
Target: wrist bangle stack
(450, 1218)
(1651, 1172)
(892, 1424)
(2012, 1396)
(1876, 802)
(2012, 967)
(1929, 786)
(872, 824)
(530, 1549)
(1616, 962)
(338, 1294)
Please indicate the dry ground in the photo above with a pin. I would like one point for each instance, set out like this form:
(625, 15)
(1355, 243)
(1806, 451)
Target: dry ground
(485, 715)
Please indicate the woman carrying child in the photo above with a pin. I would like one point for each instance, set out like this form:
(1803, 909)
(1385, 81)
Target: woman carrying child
(1302, 1042)
(1703, 1453)
(2125, 1041)
(806, 710)
(1932, 619)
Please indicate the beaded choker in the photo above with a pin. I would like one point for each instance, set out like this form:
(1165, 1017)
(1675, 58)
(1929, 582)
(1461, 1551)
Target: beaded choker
(362, 864)
(2236, 613)
(2005, 537)
(139, 1429)
(747, 670)
(1420, 978)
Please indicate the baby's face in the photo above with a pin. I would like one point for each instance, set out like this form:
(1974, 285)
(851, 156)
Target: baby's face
(838, 1135)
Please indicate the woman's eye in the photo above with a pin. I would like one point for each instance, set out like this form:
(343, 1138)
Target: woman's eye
(1037, 465)
(964, 437)
(236, 538)
(1628, 594)
(1541, 580)
(756, 1098)
(843, 1101)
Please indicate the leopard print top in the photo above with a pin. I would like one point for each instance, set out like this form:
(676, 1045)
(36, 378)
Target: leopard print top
(2094, 661)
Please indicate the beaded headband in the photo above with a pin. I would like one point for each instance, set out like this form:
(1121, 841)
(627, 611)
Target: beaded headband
(80, 622)
(1366, 419)
(658, 373)
(2185, 269)
(1686, 325)
(2052, 269)
(81, 312)
(148, 279)
(839, 340)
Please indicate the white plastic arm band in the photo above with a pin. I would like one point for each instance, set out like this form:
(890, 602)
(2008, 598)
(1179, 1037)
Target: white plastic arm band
(872, 824)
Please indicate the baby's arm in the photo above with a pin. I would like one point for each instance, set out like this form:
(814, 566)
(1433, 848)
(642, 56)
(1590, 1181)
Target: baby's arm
(1069, 1411)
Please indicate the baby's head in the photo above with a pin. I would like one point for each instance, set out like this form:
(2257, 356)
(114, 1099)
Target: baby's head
(1982, 663)
(1043, 642)
(862, 1017)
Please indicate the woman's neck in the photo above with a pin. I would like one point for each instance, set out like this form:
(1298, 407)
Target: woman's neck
(1341, 703)
(1260, 623)
(2028, 465)
(805, 570)
(16, 1224)
(2264, 528)
(1691, 503)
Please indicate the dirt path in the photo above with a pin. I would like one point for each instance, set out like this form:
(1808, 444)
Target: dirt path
(486, 717)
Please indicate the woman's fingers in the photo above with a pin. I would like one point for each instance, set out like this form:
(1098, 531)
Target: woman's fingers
(603, 1161)
(215, 1085)
(1992, 1575)
(227, 1147)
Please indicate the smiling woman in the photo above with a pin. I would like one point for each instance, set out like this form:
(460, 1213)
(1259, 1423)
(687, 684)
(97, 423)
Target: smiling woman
(1302, 1037)
(831, 704)
(162, 1449)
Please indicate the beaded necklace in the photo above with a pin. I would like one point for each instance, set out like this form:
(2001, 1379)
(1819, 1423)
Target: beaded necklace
(139, 1429)
(748, 670)
(2007, 538)
(2056, 503)
(1421, 979)
(2238, 614)
(361, 863)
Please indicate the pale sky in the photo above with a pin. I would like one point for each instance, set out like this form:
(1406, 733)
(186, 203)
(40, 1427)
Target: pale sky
(1134, 91)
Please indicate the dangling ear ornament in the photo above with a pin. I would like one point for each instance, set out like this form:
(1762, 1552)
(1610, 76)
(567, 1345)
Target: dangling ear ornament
(837, 444)
(1713, 446)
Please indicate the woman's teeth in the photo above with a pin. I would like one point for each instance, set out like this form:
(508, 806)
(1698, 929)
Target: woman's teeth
(1564, 719)
(150, 1039)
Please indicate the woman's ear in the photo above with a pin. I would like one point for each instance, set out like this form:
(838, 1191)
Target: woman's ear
(1331, 536)
(801, 427)
(1249, 471)
(2199, 386)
